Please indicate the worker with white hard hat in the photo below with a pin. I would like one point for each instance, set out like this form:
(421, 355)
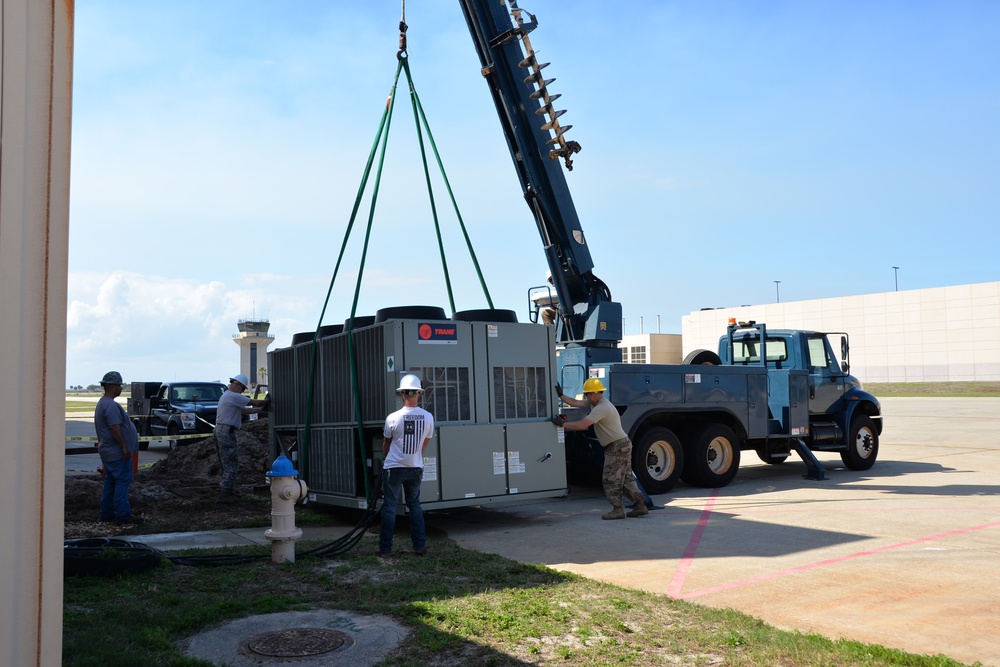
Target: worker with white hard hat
(547, 301)
(405, 437)
(232, 406)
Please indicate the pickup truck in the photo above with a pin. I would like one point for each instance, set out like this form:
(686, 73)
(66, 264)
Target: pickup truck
(171, 409)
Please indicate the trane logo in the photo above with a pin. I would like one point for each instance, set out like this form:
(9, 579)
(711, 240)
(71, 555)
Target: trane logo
(437, 333)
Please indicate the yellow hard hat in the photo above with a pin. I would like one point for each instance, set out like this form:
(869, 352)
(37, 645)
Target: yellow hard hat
(593, 386)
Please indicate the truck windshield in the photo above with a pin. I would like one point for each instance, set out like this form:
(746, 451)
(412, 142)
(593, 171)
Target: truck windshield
(198, 392)
(747, 351)
(820, 355)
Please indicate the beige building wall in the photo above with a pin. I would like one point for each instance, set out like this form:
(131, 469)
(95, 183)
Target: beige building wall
(35, 96)
(651, 349)
(928, 335)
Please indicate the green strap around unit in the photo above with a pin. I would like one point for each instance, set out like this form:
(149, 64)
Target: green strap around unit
(381, 139)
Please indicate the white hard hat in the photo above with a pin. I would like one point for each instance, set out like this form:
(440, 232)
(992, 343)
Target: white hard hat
(242, 379)
(548, 275)
(409, 382)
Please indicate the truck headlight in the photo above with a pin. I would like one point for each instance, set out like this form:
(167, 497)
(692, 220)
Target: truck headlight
(187, 420)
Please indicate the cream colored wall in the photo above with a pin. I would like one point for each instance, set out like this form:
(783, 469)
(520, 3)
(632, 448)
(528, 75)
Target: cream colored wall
(938, 334)
(660, 348)
(35, 95)
(667, 349)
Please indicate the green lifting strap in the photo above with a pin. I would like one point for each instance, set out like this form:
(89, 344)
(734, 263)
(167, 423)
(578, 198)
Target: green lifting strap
(381, 138)
(418, 117)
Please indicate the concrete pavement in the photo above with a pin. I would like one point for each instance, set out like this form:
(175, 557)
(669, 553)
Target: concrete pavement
(904, 555)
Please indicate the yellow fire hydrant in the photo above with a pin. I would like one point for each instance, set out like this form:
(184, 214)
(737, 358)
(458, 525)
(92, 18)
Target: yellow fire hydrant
(286, 490)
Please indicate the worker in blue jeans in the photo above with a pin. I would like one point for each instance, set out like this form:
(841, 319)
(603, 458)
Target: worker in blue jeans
(405, 437)
(117, 441)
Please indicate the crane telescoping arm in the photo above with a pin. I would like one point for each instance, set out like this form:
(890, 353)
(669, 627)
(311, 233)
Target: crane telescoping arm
(530, 124)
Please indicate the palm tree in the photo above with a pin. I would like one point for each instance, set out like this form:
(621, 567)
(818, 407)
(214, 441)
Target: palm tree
(262, 375)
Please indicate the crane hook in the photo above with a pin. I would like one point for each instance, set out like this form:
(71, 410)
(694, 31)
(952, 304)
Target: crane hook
(402, 41)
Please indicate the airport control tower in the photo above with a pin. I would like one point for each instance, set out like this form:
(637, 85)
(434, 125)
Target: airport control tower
(253, 340)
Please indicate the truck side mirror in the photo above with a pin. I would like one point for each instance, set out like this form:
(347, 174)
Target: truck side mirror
(843, 347)
(844, 366)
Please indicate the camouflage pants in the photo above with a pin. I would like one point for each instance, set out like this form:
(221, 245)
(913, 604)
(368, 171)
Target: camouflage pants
(617, 478)
(229, 455)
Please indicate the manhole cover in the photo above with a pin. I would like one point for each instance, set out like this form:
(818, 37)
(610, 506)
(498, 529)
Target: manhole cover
(295, 642)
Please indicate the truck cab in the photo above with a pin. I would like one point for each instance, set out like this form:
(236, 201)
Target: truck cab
(811, 351)
(838, 404)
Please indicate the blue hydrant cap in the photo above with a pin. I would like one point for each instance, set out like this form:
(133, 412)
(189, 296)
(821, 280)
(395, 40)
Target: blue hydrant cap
(282, 468)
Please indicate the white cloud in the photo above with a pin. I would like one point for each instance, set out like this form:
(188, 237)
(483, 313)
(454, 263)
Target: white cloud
(152, 327)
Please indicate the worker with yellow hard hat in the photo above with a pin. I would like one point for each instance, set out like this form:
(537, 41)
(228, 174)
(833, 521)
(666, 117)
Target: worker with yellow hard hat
(617, 476)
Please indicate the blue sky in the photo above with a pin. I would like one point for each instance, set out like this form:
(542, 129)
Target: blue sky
(218, 148)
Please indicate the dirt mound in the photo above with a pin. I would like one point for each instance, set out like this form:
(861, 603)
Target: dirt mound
(180, 493)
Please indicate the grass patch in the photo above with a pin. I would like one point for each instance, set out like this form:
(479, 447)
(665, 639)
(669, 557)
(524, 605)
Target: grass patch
(80, 406)
(463, 607)
(947, 389)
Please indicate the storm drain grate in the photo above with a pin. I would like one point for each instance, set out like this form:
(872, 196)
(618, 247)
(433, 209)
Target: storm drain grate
(295, 643)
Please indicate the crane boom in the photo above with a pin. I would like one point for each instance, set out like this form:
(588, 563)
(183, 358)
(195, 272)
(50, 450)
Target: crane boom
(531, 126)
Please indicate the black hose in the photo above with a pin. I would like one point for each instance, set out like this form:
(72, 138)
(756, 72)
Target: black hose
(82, 554)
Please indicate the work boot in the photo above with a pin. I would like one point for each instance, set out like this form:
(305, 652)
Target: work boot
(640, 509)
(616, 513)
(226, 496)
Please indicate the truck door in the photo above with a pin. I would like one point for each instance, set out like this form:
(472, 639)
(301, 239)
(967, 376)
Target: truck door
(826, 379)
(160, 412)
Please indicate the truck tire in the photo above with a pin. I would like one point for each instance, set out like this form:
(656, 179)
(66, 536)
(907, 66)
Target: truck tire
(862, 444)
(702, 358)
(657, 460)
(770, 460)
(143, 444)
(172, 431)
(712, 457)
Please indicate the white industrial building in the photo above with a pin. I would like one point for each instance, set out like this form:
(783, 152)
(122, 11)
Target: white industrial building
(926, 335)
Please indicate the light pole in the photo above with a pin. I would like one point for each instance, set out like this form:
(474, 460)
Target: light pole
(777, 295)
(895, 276)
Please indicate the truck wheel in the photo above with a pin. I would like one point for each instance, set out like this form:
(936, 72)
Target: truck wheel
(770, 460)
(657, 460)
(172, 432)
(143, 444)
(713, 457)
(862, 444)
